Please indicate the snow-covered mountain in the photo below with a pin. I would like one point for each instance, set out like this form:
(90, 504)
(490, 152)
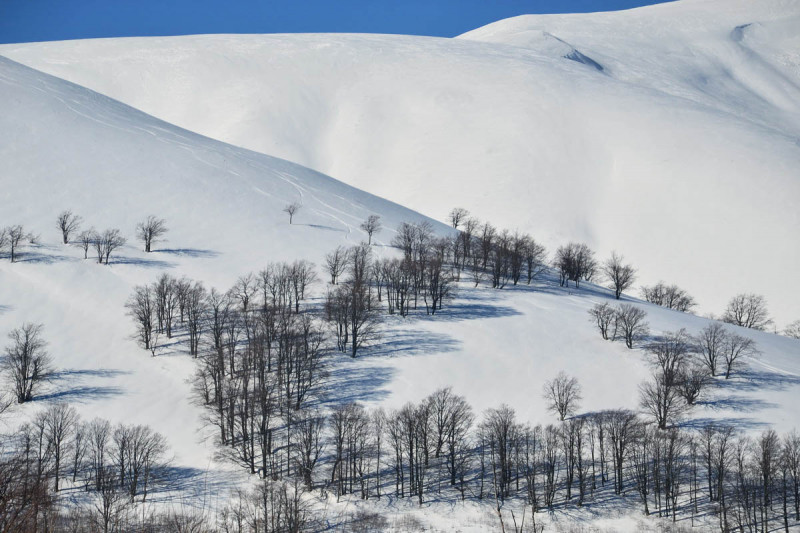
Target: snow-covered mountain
(669, 133)
(65, 147)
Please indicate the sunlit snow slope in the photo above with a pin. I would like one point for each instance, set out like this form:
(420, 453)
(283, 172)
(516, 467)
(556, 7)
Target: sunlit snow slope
(670, 133)
(63, 146)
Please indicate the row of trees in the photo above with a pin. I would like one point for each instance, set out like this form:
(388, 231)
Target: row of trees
(149, 231)
(118, 464)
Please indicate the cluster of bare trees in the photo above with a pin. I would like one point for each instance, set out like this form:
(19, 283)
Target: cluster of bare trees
(625, 321)
(422, 449)
(104, 243)
(261, 355)
(684, 366)
(119, 464)
(484, 251)
(350, 307)
(747, 310)
(13, 238)
(669, 296)
(149, 231)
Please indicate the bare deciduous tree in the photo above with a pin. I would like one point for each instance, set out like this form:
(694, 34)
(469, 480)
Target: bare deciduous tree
(671, 353)
(150, 231)
(662, 399)
(105, 244)
(141, 307)
(575, 262)
(457, 216)
(735, 350)
(291, 209)
(336, 263)
(669, 296)
(747, 310)
(563, 394)
(68, 223)
(631, 323)
(604, 316)
(27, 362)
(710, 343)
(60, 420)
(691, 382)
(86, 238)
(793, 330)
(371, 225)
(13, 238)
(620, 275)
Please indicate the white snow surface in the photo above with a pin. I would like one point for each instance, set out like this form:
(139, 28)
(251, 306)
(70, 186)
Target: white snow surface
(670, 133)
(63, 146)
(696, 186)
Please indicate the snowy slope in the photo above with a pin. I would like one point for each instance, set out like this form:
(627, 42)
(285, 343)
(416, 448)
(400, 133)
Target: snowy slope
(669, 133)
(63, 146)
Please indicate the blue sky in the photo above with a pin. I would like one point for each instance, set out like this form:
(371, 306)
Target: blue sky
(47, 20)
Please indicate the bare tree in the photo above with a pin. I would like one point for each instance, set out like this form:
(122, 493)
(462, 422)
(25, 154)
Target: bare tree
(336, 263)
(691, 382)
(563, 394)
(371, 225)
(106, 243)
(27, 361)
(87, 238)
(68, 223)
(710, 343)
(669, 296)
(60, 421)
(604, 316)
(141, 307)
(793, 330)
(620, 275)
(150, 231)
(671, 352)
(457, 216)
(14, 237)
(735, 350)
(630, 320)
(662, 399)
(747, 310)
(291, 209)
(575, 262)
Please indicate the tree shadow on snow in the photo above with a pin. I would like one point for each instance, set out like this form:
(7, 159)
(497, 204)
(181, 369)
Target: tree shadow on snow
(350, 382)
(188, 252)
(411, 342)
(68, 386)
(138, 261)
(320, 226)
(750, 379)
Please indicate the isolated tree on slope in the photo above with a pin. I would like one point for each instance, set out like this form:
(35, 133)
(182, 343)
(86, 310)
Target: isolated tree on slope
(371, 225)
(68, 223)
(631, 323)
(150, 231)
(291, 209)
(747, 310)
(27, 362)
(619, 274)
(563, 394)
